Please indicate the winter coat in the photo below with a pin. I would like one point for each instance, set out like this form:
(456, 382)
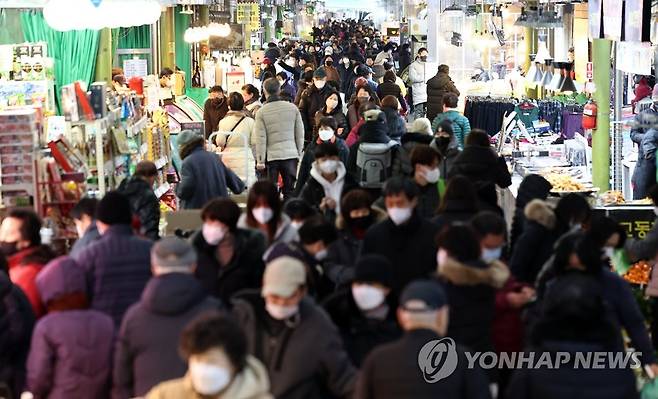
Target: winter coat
(508, 328)
(437, 87)
(213, 114)
(308, 159)
(339, 117)
(143, 204)
(396, 125)
(147, 348)
(428, 201)
(24, 266)
(405, 59)
(279, 131)
(288, 92)
(311, 340)
(402, 165)
(252, 106)
(411, 248)
(471, 289)
(317, 188)
(238, 145)
(460, 125)
(391, 372)
(569, 380)
(370, 132)
(245, 270)
(118, 267)
(353, 116)
(535, 245)
(644, 175)
(205, 177)
(454, 212)
(311, 102)
(89, 237)
(343, 253)
(485, 169)
(360, 333)
(71, 350)
(273, 53)
(332, 74)
(448, 158)
(418, 78)
(392, 89)
(285, 233)
(250, 383)
(16, 323)
(532, 187)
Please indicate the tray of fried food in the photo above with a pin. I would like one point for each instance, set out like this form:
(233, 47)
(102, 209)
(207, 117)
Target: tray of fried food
(612, 197)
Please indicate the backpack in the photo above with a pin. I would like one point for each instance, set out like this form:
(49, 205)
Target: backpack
(373, 164)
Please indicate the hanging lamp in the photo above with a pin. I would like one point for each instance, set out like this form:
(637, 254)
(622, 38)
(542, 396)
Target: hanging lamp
(548, 75)
(567, 83)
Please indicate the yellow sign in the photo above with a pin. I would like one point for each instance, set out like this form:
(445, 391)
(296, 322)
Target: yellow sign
(249, 14)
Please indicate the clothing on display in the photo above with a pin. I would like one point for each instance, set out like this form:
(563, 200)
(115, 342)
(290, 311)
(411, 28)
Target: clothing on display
(487, 113)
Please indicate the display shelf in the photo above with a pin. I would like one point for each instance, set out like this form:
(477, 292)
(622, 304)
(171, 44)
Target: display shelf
(137, 127)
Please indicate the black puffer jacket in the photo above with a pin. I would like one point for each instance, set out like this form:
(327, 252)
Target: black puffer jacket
(360, 334)
(402, 165)
(532, 187)
(454, 211)
(144, 204)
(245, 269)
(16, 324)
(535, 245)
(310, 103)
(484, 168)
(437, 87)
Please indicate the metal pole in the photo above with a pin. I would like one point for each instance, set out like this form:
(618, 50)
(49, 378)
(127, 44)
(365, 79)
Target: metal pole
(601, 138)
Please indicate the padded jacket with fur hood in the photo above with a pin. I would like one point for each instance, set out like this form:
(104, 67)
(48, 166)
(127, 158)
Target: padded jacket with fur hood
(535, 245)
(471, 289)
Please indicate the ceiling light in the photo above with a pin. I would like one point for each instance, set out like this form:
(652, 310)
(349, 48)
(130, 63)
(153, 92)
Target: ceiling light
(108, 14)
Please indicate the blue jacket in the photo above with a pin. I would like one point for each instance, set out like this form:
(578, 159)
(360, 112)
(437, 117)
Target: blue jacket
(205, 177)
(460, 125)
(118, 266)
(90, 236)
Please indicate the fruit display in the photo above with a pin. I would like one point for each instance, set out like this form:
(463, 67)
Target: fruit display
(639, 273)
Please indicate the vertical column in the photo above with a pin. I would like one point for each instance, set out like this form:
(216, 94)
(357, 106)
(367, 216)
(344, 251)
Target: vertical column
(601, 137)
(433, 10)
(530, 44)
(104, 57)
(167, 42)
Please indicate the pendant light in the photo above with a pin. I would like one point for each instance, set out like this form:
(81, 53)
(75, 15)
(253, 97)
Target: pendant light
(567, 83)
(539, 74)
(548, 75)
(557, 77)
(532, 71)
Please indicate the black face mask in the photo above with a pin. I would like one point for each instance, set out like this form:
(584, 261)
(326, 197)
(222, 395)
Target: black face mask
(362, 222)
(443, 142)
(8, 248)
(328, 63)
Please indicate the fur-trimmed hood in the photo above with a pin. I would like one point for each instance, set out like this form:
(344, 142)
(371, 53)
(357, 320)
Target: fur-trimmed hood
(379, 215)
(495, 274)
(540, 212)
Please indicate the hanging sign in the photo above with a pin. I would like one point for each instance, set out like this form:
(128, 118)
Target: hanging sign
(249, 14)
(135, 68)
(636, 58)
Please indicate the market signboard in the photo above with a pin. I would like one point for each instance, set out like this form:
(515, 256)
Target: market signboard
(249, 15)
(636, 220)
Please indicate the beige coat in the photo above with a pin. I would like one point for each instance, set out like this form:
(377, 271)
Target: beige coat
(279, 132)
(238, 146)
(251, 383)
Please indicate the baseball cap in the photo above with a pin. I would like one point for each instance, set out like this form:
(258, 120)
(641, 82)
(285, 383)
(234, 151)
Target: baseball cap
(423, 295)
(320, 73)
(283, 276)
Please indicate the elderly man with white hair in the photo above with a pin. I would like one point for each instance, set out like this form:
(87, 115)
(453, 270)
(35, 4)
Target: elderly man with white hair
(147, 348)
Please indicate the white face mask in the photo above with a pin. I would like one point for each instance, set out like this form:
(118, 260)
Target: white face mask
(328, 166)
(609, 252)
(490, 255)
(213, 234)
(367, 297)
(441, 257)
(319, 84)
(399, 215)
(432, 175)
(208, 379)
(325, 134)
(280, 312)
(322, 255)
(346, 61)
(262, 215)
(296, 224)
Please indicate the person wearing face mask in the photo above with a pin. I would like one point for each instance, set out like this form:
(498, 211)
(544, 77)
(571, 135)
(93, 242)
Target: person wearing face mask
(405, 238)
(325, 134)
(146, 353)
(418, 78)
(437, 87)
(291, 334)
(215, 109)
(471, 285)
(333, 107)
(363, 95)
(345, 71)
(84, 217)
(220, 366)
(166, 84)
(230, 258)
(389, 87)
(20, 243)
(312, 100)
(361, 311)
(143, 202)
(391, 370)
(264, 214)
(251, 95)
(331, 71)
(446, 144)
(461, 127)
(288, 91)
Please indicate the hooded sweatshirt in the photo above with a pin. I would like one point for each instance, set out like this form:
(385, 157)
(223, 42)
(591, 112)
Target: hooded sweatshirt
(334, 188)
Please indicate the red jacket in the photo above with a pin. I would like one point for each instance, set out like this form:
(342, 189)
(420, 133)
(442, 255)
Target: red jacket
(23, 269)
(507, 329)
(642, 90)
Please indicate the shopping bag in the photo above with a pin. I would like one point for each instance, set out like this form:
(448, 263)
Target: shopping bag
(620, 262)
